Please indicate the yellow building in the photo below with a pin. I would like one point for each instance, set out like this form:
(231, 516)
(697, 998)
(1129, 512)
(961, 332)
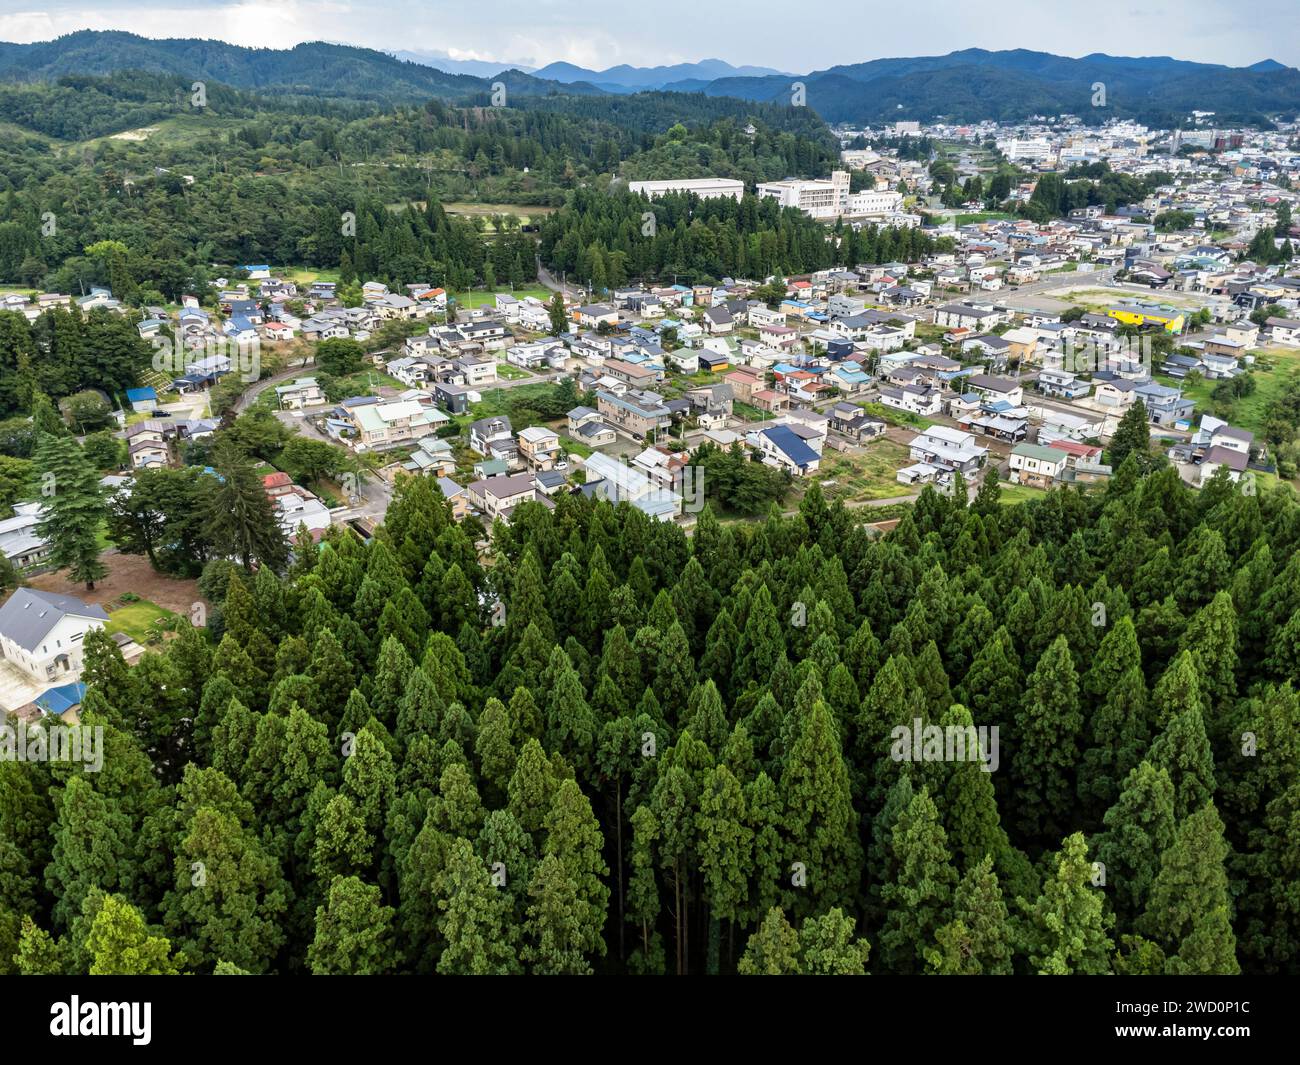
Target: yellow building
(1173, 320)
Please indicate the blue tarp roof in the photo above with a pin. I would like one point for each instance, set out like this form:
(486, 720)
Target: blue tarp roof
(61, 699)
(134, 395)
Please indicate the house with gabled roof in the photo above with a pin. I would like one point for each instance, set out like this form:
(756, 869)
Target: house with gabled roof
(783, 447)
(41, 633)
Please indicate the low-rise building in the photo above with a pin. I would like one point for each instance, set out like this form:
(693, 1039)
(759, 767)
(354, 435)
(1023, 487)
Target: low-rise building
(497, 497)
(1037, 466)
(42, 634)
(951, 449)
(539, 447)
(635, 414)
(299, 393)
(385, 424)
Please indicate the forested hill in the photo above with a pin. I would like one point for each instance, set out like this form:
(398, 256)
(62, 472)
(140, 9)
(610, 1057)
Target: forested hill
(312, 69)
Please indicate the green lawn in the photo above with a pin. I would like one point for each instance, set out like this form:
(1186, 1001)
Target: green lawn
(574, 447)
(894, 416)
(511, 372)
(1019, 493)
(140, 621)
(307, 275)
(981, 216)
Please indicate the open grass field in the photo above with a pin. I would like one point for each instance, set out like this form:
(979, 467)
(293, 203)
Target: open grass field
(488, 299)
(526, 213)
(1019, 493)
(976, 217)
(510, 372)
(871, 475)
(894, 416)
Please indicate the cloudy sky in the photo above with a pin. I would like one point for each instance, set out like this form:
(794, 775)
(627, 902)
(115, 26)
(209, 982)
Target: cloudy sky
(599, 34)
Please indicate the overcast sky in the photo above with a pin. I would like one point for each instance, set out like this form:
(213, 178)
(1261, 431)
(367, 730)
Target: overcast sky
(601, 34)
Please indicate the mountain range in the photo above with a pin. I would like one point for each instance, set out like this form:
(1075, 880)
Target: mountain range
(975, 84)
(967, 85)
(311, 69)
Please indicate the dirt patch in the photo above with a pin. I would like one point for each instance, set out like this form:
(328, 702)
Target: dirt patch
(126, 573)
(141, 134)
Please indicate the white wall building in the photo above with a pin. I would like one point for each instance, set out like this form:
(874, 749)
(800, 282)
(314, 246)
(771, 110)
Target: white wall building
(706, 188)
(41, 633)
(818, 198)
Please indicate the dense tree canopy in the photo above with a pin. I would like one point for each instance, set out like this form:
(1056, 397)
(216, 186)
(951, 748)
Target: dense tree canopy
(682, 754)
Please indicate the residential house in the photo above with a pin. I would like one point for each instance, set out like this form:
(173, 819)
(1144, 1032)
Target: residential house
(994, 388)
(1217, 456)
(854, 422)
(539, 447)
(915, 399)
(948, 448)
(1283, 331)
(631, 374)
(1037, 466)
(615, 481)
(42, 634)
(432, 455)
(783, 447)
(20, 541)
(493, 438)
(385, 424)
(962, 316)
(1061, 383)
(497, 497)
(718, 321)
(455, 494)
(1165, 406)
(299, 393)
(594, 314)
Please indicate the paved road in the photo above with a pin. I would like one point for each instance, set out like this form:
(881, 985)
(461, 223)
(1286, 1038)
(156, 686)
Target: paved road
(549, 280)
(254, 390)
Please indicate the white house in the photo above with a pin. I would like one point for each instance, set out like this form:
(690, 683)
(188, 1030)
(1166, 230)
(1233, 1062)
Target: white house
(41, 633)
(21, 544)
(1035, 465)
(948, 448)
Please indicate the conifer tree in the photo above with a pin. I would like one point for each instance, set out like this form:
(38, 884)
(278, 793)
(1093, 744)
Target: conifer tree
(1066, 926)
(73, 508)
(1189, 909)
(919, 898)
(354, 932)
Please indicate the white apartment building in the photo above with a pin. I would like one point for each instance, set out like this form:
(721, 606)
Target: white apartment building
(706, 188)
(818, 198)
(1031, 150)
(874, 202)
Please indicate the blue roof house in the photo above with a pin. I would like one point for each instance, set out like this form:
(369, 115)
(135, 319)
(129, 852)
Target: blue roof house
(142, 399)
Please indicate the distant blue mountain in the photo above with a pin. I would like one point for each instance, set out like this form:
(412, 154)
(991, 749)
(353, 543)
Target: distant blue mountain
(975, 84)
(634, 79)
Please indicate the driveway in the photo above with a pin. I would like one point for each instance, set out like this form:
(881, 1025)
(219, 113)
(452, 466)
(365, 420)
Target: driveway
(18, 688)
